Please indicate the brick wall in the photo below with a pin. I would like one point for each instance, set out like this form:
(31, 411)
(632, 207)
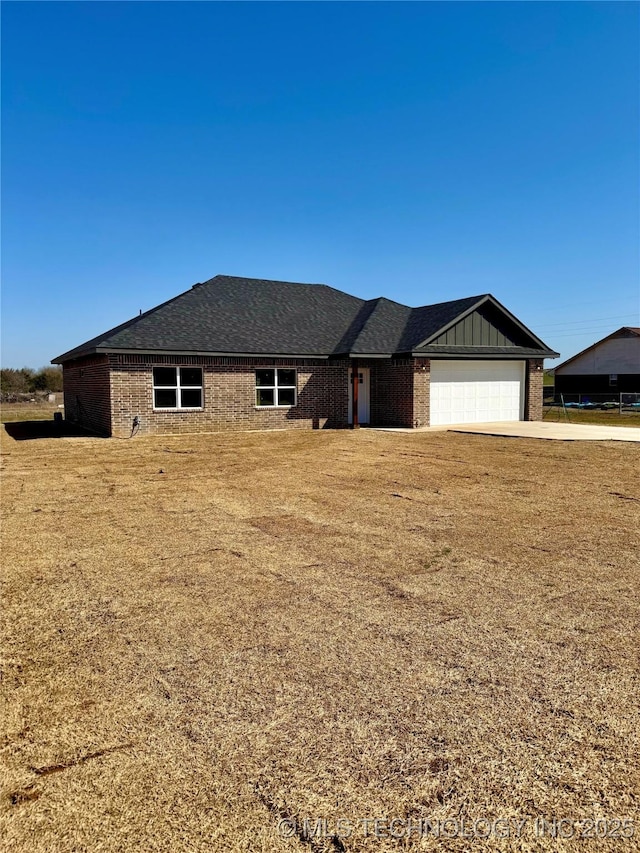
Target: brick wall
(391, 392)
(399, 394)
(104, 394)
(533, 390)
(229, 395)
(87, 393)
(421, 391)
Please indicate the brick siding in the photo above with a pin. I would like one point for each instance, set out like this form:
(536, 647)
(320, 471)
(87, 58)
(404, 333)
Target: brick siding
(421, 391)
(87, 400)
(533, 390)
(104, 394)
(400, 392)
(229, 395)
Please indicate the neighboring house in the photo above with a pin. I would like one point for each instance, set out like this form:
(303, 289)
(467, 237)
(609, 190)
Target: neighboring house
(611, 365)
(238, 353)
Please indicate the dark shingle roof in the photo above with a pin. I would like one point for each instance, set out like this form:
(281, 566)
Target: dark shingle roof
(231, 315)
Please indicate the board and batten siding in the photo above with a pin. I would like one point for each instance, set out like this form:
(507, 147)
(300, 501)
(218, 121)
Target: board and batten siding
(485, 327)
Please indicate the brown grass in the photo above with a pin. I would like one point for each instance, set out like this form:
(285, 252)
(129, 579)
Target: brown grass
(206, 635)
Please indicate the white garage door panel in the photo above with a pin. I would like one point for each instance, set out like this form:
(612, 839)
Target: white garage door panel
(473, 392)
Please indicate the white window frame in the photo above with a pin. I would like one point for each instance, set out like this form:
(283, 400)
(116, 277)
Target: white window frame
(178, 388)
(275, 388)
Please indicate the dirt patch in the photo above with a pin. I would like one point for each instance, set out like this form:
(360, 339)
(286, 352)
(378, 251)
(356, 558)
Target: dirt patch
(289, 628)
(288, 525)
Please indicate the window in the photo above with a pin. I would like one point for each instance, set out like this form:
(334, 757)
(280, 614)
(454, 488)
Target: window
(613, 380)
(177, 387)
(276, 386)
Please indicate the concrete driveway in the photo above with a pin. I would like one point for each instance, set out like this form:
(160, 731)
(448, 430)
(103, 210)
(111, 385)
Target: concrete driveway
(559, 432)
(534, 429)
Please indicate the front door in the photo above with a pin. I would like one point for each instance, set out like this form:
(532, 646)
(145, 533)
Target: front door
(363, 395)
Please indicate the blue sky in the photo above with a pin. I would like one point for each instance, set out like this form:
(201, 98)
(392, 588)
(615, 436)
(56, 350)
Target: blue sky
(419, 151)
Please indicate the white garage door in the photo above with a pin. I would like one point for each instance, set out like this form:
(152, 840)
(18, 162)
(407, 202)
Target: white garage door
(473, 392)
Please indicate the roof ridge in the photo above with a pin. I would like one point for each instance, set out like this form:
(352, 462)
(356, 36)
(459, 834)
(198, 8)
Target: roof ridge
(390, 301)
(428, 304)
(280, 281)
(265, 280)
(451, 301)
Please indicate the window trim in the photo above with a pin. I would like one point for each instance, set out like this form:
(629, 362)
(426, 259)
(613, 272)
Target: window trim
(178, 388)
(275, 388)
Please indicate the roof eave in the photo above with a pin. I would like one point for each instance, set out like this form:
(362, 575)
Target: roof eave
(366, 355)
(72, 355)
(447, 352)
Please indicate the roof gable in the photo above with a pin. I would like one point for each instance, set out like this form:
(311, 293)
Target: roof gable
(617, 352)
(485, 324)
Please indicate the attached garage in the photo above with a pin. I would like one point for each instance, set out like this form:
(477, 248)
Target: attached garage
(470, 392)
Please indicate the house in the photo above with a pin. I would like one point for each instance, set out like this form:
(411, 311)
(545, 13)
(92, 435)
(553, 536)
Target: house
(610, 366)
(238, 353)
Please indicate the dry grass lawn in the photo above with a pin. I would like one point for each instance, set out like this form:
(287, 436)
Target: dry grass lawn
(38, 411)
(205, 636)
(602, 417)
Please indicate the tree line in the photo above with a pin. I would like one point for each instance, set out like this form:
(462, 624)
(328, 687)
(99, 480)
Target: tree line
(26, 380)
